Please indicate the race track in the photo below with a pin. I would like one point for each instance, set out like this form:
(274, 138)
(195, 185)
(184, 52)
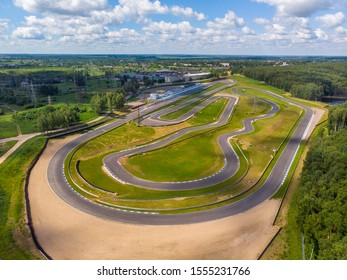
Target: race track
(59, 185)
(112, 163)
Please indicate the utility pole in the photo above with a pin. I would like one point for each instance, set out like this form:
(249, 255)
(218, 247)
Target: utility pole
(138, 116)
(33, 94)
(76, 88)
(254, 105)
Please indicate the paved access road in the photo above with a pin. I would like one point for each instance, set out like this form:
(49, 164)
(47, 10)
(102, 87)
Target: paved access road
(272, 184)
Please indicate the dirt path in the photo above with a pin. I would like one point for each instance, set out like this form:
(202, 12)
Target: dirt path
(66, 233)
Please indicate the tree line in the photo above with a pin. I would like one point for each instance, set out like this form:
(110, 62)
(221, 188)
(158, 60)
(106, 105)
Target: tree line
(338, 117)
(107, 102)
(62, 117)
(310, 80)
(65, 116)
(320, 201)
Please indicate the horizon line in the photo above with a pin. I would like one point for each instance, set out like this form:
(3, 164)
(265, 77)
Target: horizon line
(173, 54)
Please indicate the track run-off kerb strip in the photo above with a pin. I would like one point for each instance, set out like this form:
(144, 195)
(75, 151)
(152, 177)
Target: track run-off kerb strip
(265, 192)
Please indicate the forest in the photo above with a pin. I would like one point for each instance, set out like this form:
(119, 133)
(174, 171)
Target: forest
(308, 80)
(320, 202)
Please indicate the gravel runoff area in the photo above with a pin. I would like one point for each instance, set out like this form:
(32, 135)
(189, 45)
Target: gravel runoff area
(67, 233)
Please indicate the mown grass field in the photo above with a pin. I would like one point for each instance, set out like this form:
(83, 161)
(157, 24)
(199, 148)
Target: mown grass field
(7, 127)
(15, 238)
(130, 135)
(189, 160)
(175, 115)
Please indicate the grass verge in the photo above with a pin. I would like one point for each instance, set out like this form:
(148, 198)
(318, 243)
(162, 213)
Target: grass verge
(193, 159)
(5, 147)
(287, 244)
(15, 239)
(7, 127)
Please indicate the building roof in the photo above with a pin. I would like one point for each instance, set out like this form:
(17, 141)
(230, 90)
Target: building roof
(197, 74)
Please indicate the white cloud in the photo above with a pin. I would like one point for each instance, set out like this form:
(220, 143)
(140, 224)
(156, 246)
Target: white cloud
(246, 30)
(290, 30)
(55, 26)
(293, 22)
(129, 10)
(332, 20)
(62, 7)
(143, 7)
(184, 34)
(208, 33)
(163, 27)
(81, 38)
(261, 21)
(276, 29)
(3, 29)
(3, 25)
(123, 35)
(187, 12)
(28, 33)
(271, 37)
(303, 35)
(98, 26)
(299, 8)
(230, 20)
(91, 29)
(340, 35)
(322, 35)
(138, 10)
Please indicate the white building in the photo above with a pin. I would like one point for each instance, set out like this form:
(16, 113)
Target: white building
(154, 96)
(196, 76)
(224, 64)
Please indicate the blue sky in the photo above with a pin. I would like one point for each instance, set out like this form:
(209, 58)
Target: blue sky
(234, 27)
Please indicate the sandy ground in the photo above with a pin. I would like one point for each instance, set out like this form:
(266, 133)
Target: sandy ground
(317, 116)
(67, 233)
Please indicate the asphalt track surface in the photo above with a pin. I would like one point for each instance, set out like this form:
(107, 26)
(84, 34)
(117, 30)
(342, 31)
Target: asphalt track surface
(155, 119)
(274, 181)
(231, 166)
